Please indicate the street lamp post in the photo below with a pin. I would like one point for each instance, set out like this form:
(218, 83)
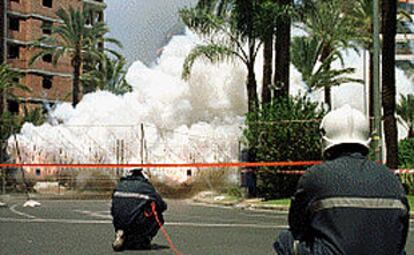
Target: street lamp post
(377, 134)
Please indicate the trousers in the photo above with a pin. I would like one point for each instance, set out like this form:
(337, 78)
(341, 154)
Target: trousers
(287, 245)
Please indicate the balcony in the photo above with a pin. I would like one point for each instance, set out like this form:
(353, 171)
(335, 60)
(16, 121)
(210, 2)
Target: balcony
(99, 4)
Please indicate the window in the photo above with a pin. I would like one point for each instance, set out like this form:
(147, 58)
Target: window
(14, 24)
(47, 3)
(38, 172)
(47, 82)
(47, 27)
(13, 106)
(13, 51)
(47, 58)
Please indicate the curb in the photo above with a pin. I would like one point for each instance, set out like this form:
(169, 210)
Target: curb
(215, 202)
(241, 204)
(246, 205)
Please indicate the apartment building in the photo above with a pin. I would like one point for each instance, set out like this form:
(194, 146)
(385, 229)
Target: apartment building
(24, 21)
(405, 40)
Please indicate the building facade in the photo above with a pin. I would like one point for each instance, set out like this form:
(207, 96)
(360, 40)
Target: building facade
(21, 23)
(405, 40)
(24, 21)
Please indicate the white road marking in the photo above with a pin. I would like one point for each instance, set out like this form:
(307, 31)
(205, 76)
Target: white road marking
(13, 209)
(181, 224)
(64, 221)
(225, 225)
(94, 214)
(200, 204)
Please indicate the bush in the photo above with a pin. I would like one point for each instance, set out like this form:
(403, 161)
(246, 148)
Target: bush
(95, 181)
(28, 182)
(203, 180)
(235, 191)
(406, 160)
(285, 130)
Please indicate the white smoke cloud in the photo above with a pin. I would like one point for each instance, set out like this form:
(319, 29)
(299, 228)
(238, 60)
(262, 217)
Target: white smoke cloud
(198, 120)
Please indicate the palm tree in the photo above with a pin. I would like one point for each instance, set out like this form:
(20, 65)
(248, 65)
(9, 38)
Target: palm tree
(305, 55)
(108, 75)
(76, 39)
(239, 23)
(8, 85)
(227, 35)
(405, 110)
(282, 49)
(389, 30)
(267, 40)
(326, 21)
(362, 12)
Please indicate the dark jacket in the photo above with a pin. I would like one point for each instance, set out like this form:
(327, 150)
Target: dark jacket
(352, 206)
(132, 196)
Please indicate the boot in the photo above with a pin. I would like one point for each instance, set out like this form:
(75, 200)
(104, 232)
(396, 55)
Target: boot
(118, 243)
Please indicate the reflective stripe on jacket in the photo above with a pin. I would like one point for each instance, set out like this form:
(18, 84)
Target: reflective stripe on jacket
(132, 196)
(353, 205)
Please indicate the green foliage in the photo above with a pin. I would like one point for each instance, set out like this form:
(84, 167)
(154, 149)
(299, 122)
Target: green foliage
(405, 110)
(35, 116)
(227, 25)
(9, 82)
(286, 130)
(213, 52)
(406, 153)
(234, 191)
(306, 52)
(327, 21)
(74, 38)
(95, 181)
(12, 123)
(108, 75)
(406, 160)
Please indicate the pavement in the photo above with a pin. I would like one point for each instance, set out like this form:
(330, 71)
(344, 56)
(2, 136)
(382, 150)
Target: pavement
(79, 227)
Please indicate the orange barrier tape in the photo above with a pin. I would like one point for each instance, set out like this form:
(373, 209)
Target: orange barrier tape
(168, 165)
(195, 165)
(154, 212)
(404, 171)
(301, 172)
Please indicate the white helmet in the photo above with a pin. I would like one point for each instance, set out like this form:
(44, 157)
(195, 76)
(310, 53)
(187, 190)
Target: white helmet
(344, 126)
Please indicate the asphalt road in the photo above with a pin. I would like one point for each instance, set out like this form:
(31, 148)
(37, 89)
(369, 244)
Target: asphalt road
(84, 227)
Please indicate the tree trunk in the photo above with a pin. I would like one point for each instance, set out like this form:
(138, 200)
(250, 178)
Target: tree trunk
(282, 58)
(267, 68)
(77, 62)
(371, 90)
(2, 141)
(2, 104)
(251, 87)
(326, 51)
(328, 97)
(370, 48)
(389, 25)
(410, 132)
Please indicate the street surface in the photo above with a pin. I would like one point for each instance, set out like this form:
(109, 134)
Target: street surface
(84, 227)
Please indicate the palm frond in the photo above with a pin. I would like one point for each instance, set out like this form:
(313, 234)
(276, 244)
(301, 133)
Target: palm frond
(213, 52)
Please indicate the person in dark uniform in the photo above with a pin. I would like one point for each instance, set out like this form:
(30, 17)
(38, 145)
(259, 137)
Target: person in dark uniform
(348, 204)
(133, 203)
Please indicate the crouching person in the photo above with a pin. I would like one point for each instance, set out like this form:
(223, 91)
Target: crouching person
(346, 205)
(136, 211)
